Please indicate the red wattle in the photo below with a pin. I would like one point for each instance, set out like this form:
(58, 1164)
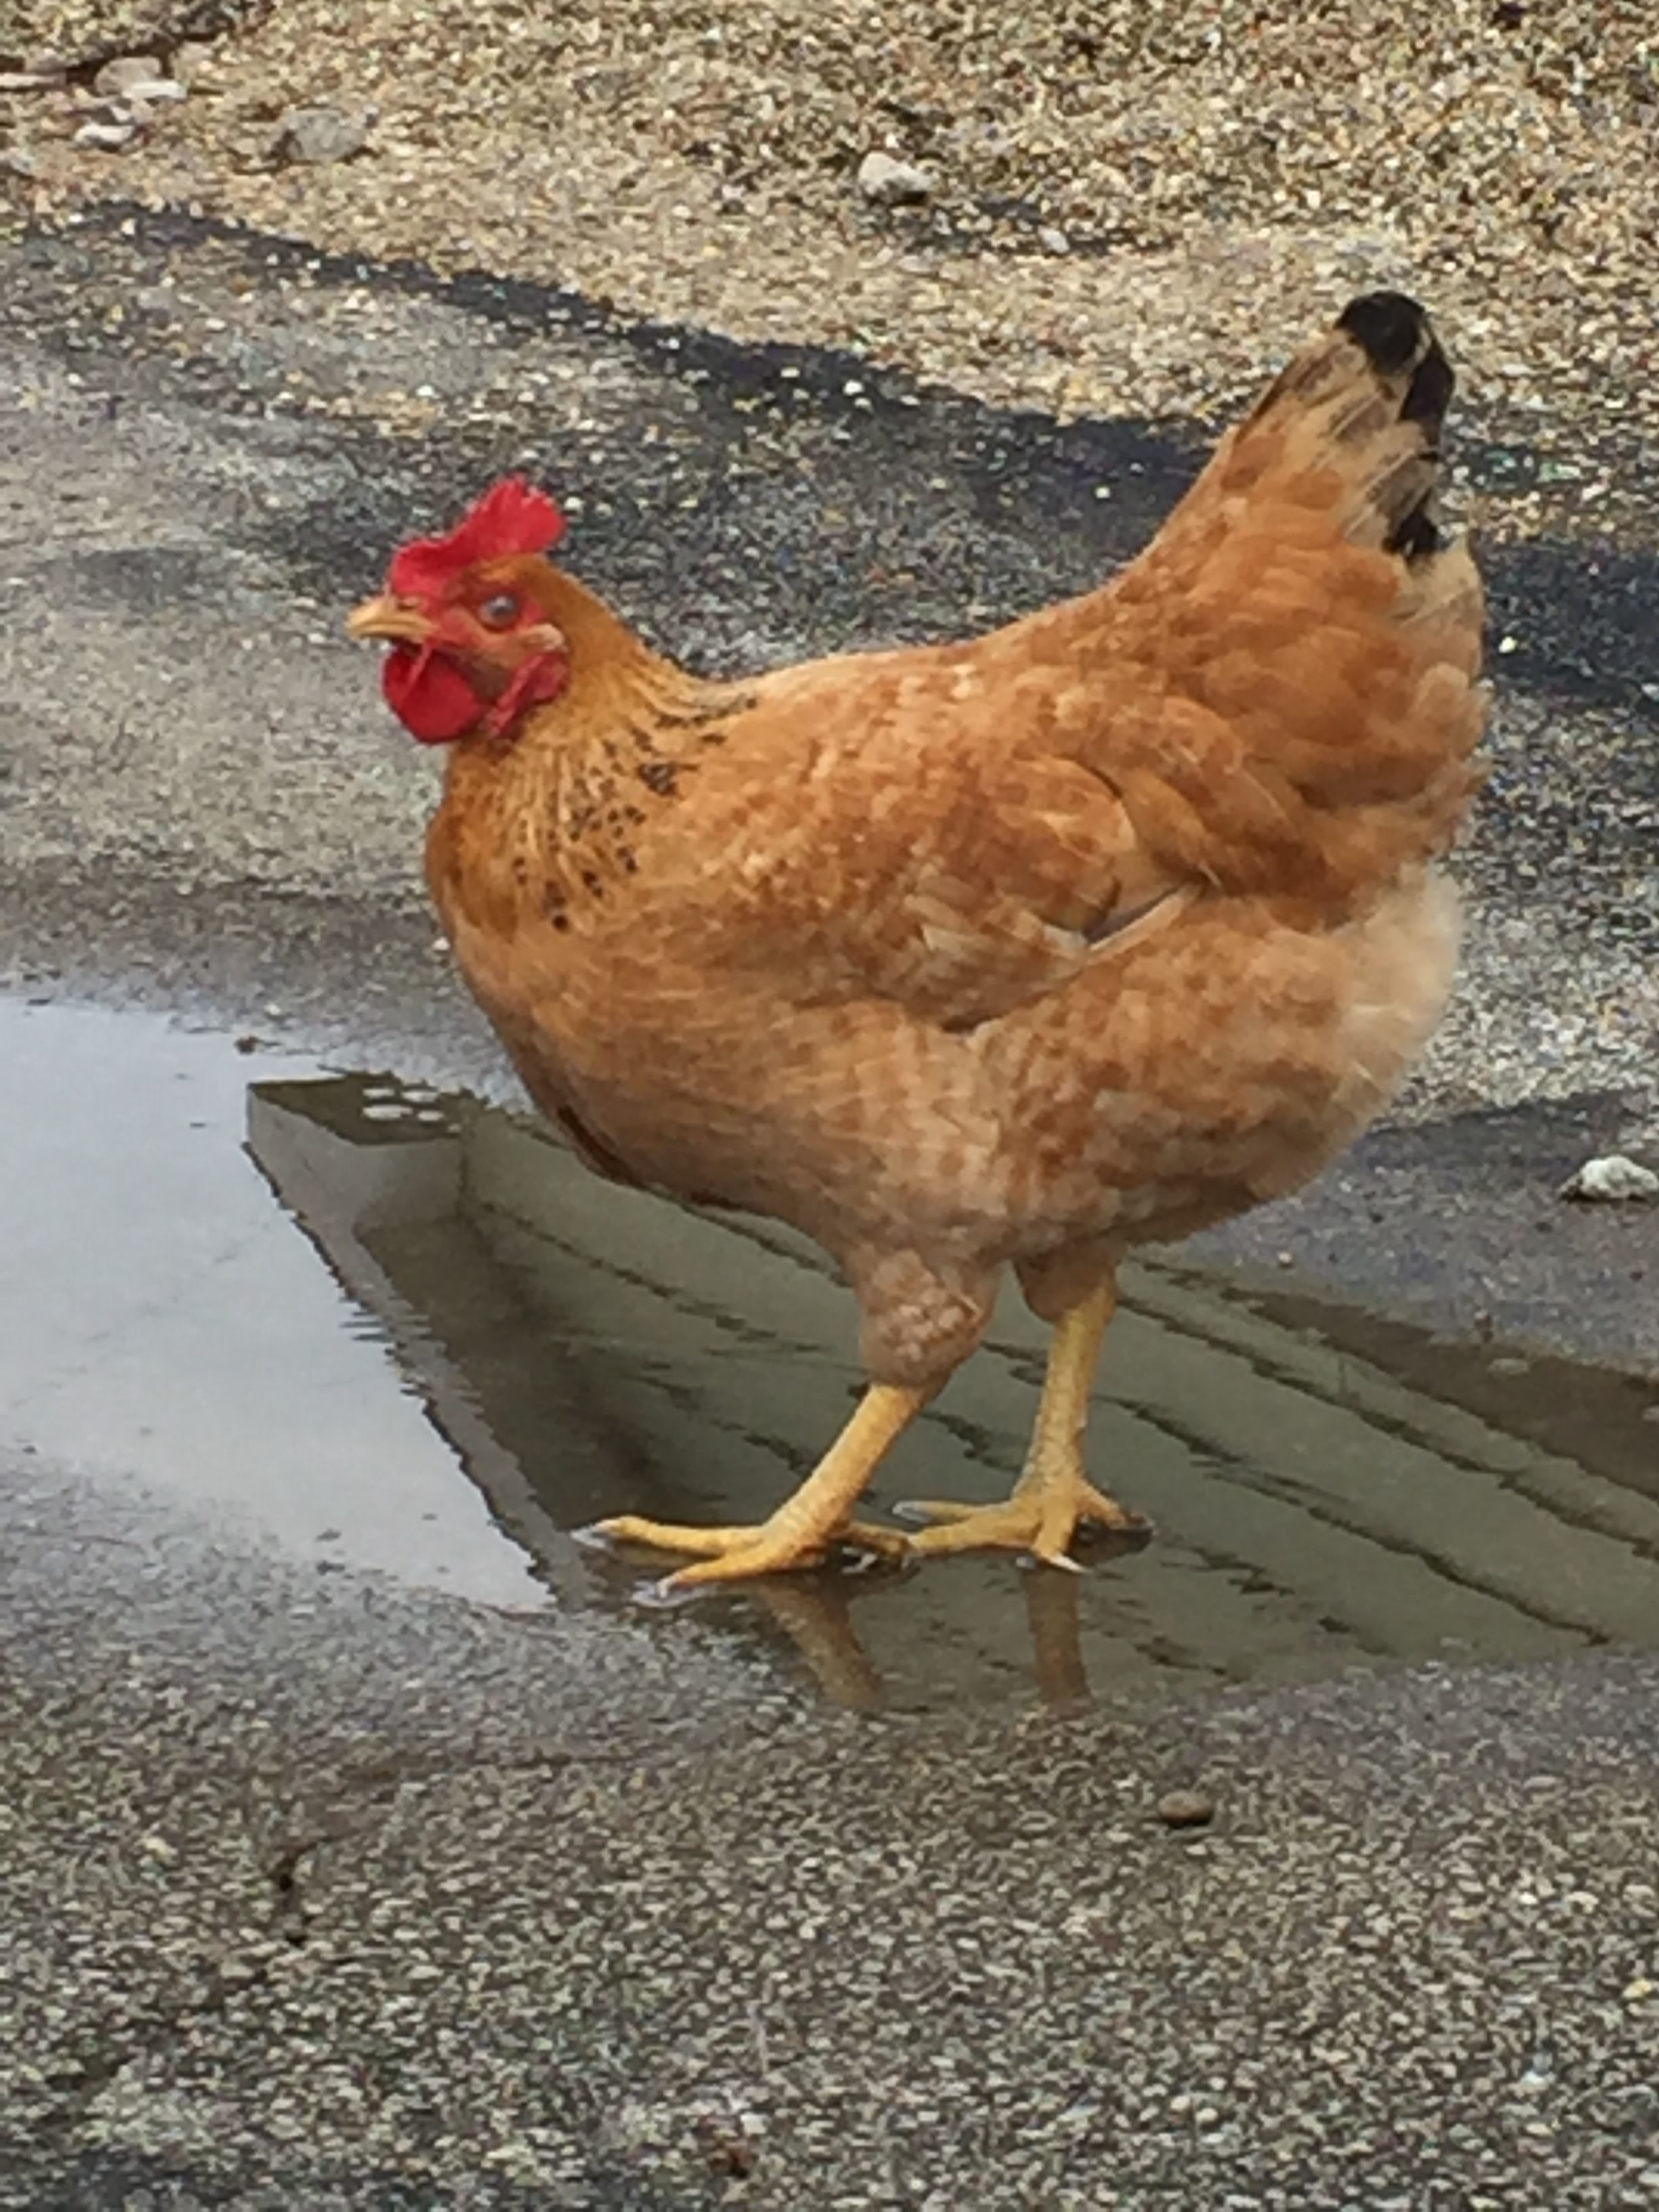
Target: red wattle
(429, 694)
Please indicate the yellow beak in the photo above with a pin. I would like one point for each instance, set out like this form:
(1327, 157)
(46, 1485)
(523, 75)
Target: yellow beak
(387, 617)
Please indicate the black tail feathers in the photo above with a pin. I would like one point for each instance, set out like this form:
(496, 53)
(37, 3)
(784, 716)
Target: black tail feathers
(1392, 329)
(1398, 339)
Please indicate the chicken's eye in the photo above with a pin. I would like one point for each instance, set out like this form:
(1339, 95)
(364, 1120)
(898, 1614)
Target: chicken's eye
(499, 612)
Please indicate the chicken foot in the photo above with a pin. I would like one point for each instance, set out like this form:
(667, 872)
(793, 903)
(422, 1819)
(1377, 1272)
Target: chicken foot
(1054, 1493)
(814, 1517)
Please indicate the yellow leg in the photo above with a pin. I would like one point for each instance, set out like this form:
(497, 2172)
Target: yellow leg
(804, 1527)
(1054, 1493)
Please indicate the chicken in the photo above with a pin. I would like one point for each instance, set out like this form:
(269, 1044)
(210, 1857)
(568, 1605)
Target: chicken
(1016, 952)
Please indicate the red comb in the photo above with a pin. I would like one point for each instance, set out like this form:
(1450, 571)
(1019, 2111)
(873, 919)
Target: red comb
(511, 517)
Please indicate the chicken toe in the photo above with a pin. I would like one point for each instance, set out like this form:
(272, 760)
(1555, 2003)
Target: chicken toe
(1042, 1518)
(1053, 1495)
(806, 1525)
(733, 1551)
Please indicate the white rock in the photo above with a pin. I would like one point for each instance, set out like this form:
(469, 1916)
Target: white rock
(127, 73)
(1612, 1177)
(1054, 241)
(108, 137)
(891, 183)
(154, 91)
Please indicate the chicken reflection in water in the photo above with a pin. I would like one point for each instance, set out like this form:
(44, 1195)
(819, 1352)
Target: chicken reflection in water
(815, 1612)
(580, 1345)
(816, 1616)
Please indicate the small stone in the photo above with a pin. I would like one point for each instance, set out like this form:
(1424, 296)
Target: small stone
(29, 79)
(154, 91)
(124, 74)
(1611, 1179)
(158, 1847)
(108, 137)
(1185, 1808)
(892, 183)
(320, 135)
(1054, 241)
(726, 2148)
(1635, 1992)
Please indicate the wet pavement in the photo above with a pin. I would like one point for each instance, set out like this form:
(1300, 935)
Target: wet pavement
(361, 1842)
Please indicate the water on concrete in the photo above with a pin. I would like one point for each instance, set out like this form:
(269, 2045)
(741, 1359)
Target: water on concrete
(395, 1328)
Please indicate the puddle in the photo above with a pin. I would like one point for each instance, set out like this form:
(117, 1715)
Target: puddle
(162, 1320)
(398, 1330)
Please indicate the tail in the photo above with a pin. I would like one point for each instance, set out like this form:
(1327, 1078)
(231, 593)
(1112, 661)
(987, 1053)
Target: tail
(1303, 599)
(1412, 381)
(1368, 398)
(1362, 412)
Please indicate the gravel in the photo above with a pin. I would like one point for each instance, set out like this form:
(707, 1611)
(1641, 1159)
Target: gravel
(83, 33)
(1133, 208)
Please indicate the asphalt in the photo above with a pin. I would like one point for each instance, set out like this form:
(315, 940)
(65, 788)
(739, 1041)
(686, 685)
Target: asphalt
(331, 1888)
(321, 1895)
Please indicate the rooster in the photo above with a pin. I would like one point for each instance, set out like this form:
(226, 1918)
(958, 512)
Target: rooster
(1014, 952)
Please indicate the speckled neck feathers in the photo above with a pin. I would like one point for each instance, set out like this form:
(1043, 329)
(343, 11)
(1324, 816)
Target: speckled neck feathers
(543, 821)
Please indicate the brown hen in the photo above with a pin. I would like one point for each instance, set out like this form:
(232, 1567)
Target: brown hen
(1016, 952)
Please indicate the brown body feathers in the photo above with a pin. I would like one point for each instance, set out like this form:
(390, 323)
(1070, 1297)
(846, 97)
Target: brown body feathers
(1025, 950)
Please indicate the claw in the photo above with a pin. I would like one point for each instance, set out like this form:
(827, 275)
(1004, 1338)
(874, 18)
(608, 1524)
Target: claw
(859, 1559)
(593, 1536)
(668, 1594)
